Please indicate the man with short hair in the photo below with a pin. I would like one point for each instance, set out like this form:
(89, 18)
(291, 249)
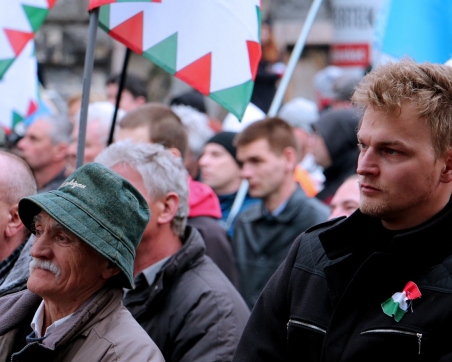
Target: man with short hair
(82, 258)
(133, 95)
(157, 123)
(375, 286)
(98, 127)
(44, 147)
(267, 150)
(16, 182)
(181, 298)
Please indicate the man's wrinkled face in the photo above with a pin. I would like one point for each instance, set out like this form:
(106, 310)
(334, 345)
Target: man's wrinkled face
(64, 268)
(219, 169)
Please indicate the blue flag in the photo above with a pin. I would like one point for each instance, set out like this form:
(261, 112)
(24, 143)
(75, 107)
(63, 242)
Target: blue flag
(419, 29)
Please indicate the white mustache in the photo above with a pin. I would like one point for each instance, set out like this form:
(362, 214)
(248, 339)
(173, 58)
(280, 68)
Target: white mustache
(46, 265)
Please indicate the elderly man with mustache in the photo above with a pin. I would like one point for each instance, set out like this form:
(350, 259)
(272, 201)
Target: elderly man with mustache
(86, 234)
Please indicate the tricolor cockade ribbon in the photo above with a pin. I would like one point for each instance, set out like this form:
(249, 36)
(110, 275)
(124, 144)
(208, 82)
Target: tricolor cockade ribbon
(399, 303)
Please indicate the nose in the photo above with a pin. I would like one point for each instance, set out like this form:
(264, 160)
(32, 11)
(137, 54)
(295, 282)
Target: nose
(245, 171)
(41, 247)
(367, 163)
(202, 160)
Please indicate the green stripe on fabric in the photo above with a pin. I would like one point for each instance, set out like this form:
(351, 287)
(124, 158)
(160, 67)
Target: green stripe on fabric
(164, 54)
(235, 99)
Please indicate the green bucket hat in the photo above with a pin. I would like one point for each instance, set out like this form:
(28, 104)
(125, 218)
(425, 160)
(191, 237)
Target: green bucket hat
(100, 207)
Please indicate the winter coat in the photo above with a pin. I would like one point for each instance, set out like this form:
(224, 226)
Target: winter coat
(261, 242)
(324, 303)
(191, 311)
(101, 330)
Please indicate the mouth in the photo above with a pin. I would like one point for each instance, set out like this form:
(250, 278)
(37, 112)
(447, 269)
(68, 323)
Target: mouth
(367, 188)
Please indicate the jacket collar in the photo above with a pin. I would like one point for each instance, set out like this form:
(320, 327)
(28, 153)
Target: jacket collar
(423, 245)
(290, 211)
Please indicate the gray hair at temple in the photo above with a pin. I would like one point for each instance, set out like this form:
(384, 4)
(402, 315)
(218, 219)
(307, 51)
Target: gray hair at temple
(17, 181)
(161, 171)
(61, 127)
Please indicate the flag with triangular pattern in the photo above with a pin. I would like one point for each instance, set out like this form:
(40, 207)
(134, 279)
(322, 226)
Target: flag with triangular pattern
(214, 45)
(19, 90)
(19, 22)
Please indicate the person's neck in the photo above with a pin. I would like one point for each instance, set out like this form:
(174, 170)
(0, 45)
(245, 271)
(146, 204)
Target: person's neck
(8, 245)
(46, 174)
(60, 307)
(287, 188)
(228, 189)
(155, 249)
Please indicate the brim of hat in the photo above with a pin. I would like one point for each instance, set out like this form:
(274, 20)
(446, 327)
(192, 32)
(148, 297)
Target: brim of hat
(81, 224)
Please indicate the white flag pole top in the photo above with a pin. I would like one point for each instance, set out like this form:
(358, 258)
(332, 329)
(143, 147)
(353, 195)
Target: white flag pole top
(214, 45)
(19, 22)
(294, 57)
(277, 100)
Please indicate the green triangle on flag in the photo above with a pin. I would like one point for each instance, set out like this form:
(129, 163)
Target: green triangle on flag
(235, 99)
(17, 118)
(259, 21)
(164, 54)
(4, 65)
(35, 15)
(104, 18)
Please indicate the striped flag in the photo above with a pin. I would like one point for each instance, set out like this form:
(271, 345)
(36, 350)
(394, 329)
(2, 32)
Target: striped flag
(214, 46)
(399, 303)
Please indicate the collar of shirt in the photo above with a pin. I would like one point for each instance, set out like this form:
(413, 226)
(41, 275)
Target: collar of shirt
(151, 271)
(7, 264)
(38, 320)
(275, 212)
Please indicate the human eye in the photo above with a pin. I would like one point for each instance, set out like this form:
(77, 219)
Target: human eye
(361, 146)
(390, 151)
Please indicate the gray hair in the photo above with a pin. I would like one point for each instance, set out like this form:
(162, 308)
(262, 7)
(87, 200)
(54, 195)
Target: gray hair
(161, 171)
(197, 125)
(103, 112)
(60, 128)
(17, 180)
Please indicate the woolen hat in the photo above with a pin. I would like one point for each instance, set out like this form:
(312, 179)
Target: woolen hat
(300, 113)
(101, 208)
(225, 139)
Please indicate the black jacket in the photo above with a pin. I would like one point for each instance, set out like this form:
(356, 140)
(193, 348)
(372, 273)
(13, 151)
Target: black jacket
(191, 311)
(261, 242)
(324, 302)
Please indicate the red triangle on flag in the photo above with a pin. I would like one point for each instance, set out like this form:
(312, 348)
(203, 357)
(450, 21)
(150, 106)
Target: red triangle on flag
(32, 108)
(197, 74)
(130, 33)
(50, 3)
(254, 53)
(18, 39)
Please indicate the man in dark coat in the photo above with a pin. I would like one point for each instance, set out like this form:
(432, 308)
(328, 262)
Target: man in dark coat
(181, 298)
(375, 286)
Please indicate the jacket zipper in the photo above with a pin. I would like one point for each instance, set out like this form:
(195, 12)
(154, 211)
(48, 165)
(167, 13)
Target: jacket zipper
(396, 331)
(312, 326)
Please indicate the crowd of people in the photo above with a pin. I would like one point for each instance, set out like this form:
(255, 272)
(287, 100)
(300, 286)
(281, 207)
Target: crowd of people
(316, 235)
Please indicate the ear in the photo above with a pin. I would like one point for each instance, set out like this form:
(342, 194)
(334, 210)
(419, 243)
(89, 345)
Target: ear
(446, 172)
(291, 156)
(169, 206)
(110, 271)
(14, 225)
(60, 151)
(175, 152)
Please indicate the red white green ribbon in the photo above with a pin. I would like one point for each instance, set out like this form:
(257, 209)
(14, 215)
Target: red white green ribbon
(399, 303)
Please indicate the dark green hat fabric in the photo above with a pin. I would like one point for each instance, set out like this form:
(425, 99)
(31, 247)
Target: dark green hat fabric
(102, 208)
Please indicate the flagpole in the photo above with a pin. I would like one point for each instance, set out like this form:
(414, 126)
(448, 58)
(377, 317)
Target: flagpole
(279, 95)
(294, 57)
(121, 84)
(87, 74)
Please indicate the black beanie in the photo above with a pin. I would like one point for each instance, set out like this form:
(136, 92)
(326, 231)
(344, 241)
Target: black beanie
(225, 139)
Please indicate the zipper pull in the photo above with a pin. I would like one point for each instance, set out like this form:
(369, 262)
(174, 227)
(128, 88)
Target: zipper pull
(419, 337)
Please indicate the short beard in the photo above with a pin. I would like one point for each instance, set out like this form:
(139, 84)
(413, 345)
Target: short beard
(36, 263)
